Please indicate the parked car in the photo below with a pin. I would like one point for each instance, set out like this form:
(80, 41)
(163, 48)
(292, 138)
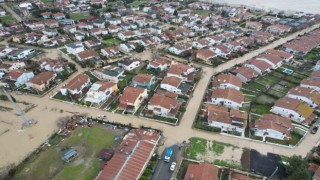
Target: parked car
(173, 166)
(314, 129)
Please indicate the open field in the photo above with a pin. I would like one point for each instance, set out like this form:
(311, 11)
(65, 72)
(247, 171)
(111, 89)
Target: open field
(136, 3)
(213, 151)
(87, 141)
(111, 42)
(202, 12)
(78, 16)
(7, 19)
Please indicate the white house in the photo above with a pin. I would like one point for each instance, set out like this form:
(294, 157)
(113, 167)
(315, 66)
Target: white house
(8, 66)
(22, 53)
(273, 60)
(220, 117)
(200, 44)
(171, 84)
(129, 63)
(259, 66)
(128, 47)
(126, 35)
(227, 97)
(51, 65)
(19, 76)
(76, 85)
(307, 95)
(312, 83)
(74, 48)
(224, 81)
(221, 51)
(246, 74)
(181, 71)
(164, 104)
(109, 73)
(293, 109)
(100, 91)
(180, 48)
(273, 126)
(110, 52)
(161, 63)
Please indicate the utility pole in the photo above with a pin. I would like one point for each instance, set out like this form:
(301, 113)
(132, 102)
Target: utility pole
(25, 120)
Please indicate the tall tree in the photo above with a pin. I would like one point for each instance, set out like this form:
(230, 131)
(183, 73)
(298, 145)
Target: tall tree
(297, 168)
(175, 13)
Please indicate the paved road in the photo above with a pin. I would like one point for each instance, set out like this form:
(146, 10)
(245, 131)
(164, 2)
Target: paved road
(252, 54)
(162, 170)
(177, 134)
(14, 14)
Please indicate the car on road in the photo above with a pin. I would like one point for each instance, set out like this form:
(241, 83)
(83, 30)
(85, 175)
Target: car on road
(173, 166)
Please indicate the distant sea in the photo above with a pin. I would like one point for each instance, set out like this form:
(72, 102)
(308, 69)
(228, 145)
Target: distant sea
(307, 6)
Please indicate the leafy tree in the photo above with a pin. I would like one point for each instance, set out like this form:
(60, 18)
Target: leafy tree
(72, 66)
(175, 13)
(140, 48)
(297, 168)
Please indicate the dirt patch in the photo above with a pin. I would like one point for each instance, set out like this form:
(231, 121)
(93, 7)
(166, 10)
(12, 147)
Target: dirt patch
(223, 152)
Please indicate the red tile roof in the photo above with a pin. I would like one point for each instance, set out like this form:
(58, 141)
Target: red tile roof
(131, 157)
(246, 72)
(143, 78)
(178, 69)
(263, 66)
(160, 99)
(229, 79)
(77, 82)
(202, 171)
(172, 80)
(130, 94)
(15, 74)
(42, 78)
(229, 93)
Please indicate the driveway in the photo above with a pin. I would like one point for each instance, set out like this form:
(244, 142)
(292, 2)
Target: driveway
(162, 170)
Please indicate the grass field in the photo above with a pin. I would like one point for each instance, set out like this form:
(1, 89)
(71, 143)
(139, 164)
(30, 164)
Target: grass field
(78, 16)
(136, 3)
(201, 146)
(7, 19)
(111, 42)
(202, 12)
(46, 1)
(87, 141)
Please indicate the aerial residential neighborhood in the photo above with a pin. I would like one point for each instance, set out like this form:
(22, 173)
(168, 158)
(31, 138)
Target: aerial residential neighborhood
(158, 90)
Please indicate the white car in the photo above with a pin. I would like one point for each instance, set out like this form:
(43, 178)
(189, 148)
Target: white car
(173, 166)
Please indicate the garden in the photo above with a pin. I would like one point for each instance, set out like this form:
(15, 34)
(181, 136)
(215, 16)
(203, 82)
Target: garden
(87, 141)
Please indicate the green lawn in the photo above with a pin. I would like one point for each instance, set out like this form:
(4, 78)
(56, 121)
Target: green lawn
(261, 109)
(7, 19)
(202, 12)
(49, 165)
(111, 42)
(78, 16)
(197, 145)
(46, 1)
(136, 3)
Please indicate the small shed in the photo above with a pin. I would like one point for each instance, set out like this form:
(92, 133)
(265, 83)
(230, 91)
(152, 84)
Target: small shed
(69, 155)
